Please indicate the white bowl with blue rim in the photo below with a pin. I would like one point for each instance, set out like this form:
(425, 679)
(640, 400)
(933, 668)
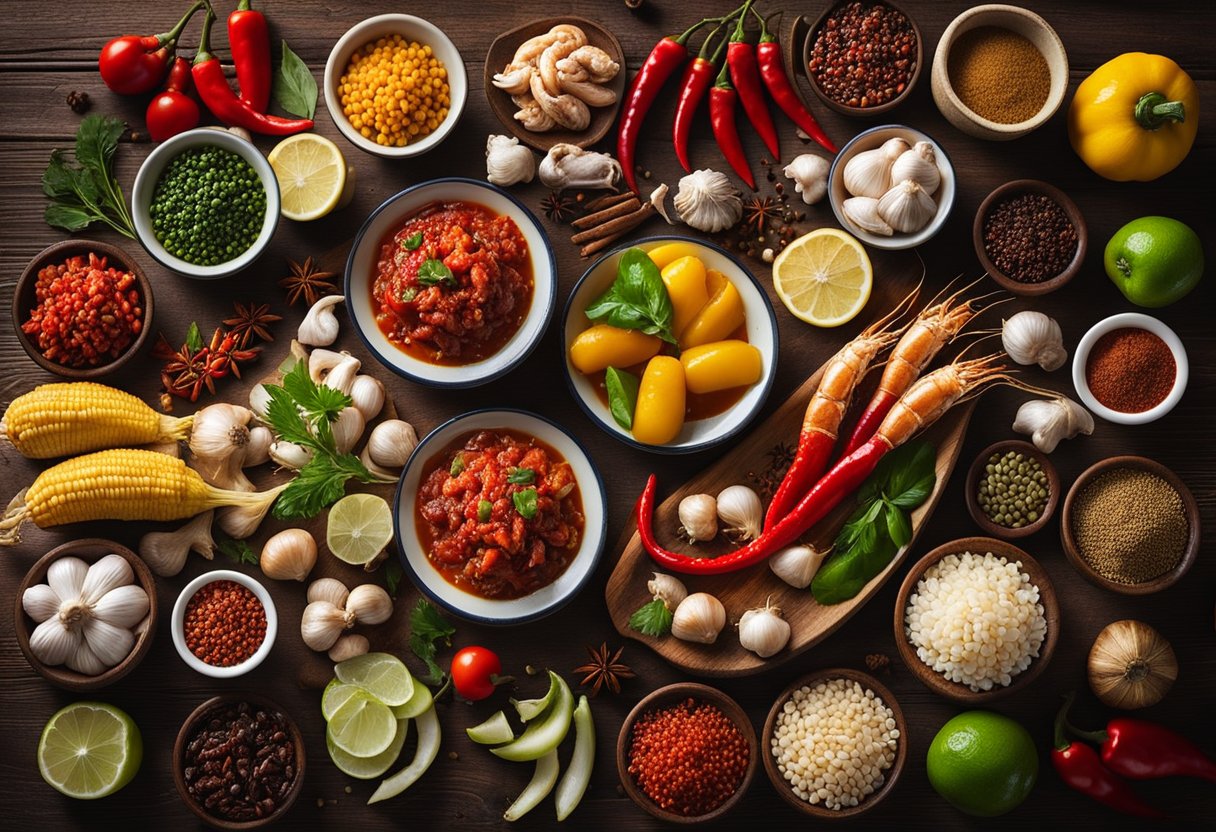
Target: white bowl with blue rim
(547, 599)
(699, 434)
(390, 217)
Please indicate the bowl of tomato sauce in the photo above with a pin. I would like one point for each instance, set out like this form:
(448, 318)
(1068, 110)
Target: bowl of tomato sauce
(500, 516)
(451, 283)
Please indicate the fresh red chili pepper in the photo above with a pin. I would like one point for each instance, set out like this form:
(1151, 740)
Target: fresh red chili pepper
(722, 101)
(173, 111)
(249, 40)
(1145, 750)
(772, 70)
(222, 101)
(697, 78)
(745, 73)
(1081, 769)
(132, 64)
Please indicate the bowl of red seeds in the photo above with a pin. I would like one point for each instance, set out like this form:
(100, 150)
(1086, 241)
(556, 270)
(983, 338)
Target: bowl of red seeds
(224, 623)
(1030, 237)
(1130, 369)
(687, 753)
(82, 308)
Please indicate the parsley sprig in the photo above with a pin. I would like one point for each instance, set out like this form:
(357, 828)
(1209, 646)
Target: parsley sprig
(428, 627)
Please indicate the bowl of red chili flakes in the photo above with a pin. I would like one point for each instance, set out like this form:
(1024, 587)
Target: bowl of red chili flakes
(500, 516)
(451, 283)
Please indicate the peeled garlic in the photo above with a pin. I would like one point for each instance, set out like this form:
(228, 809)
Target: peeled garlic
(289, 555)
(347, 429)
(320, 326)
(740, 509)
(391, 443)
(508, 162)
(669, 590)
(322, 624)
(328, 589)
(1034, 338)
(290, 455)
(700, 617)
(764, 631)
(698, 517)
(123, 606)
(907, 207)
(862, 211)
(369, 604)
(367, 394)
(349, 646)
(869, 172)
(919, 164)
(1047, 421)
(707, 201)
(797, 565)
(810, 175)
(40, 602)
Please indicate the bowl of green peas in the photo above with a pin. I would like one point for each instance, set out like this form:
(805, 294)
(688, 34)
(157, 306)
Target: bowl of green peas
(1012, 489)
(205, 203)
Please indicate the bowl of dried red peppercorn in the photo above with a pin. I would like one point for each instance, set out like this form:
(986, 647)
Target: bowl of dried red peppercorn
(224, 623)
(238, 762)
(687, 753)
(1030, 237)
(1130, 369)
(82, 309)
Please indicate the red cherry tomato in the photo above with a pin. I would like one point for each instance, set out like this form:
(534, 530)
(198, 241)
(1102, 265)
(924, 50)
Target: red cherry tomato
(475, 672)
(171, 113)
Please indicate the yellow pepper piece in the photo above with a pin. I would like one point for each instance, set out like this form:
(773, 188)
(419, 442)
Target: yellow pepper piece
(1134, 118)
(671, 252)
(714, 281)
(721, 365)
(604, 346)
(659, 415)
(685, 282)
(717, 320)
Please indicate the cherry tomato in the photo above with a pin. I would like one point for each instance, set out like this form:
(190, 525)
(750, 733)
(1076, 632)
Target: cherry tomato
(475, 672)
(171, 113)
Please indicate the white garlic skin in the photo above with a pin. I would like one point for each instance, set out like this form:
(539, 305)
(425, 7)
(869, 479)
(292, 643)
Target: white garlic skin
(707, 201)
(906, 207)
(797, 565)
(1047, 421)
(52, 643)
(123, 606)
(40, 602)
(289, 555)
(918, 163)
(369, 604)
(699, 618)
(508, 162)
(320, 325)
(257, 449)
(698, 515)
(322, 623)
(367, 395)
(1031, 337)
(764, 631)
(108, 643)
(391, 443)
(328, 589)
(741, 512)
(862, 211)
(109, 573)
(810, 174)
(347, 429)
(66, 576)
(869, 172)
(668, 589)
(349, 646)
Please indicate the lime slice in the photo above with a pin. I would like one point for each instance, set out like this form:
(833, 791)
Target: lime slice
(89, 750)
(419, 702)
(365, 768)
(383, 676)
(311, 173)
(359, 527)
(824, 278)
(494, 731)
(362, 727)
(335, 695)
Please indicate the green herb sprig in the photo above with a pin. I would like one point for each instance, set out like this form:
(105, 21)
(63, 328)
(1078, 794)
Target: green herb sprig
(428, 627)
(295, 88)
(652, 619)
(87, 192)
(637, 299)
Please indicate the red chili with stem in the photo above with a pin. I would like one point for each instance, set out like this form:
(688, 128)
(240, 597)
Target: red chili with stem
(1145, 750)
(134, 64)
(173, 111)
(722, 101)
(697, 79)
(772, 70)
(249, 40)
(745, 73)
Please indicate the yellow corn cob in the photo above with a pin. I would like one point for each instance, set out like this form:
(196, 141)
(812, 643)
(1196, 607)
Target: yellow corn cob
(121, 484)
(56, 420)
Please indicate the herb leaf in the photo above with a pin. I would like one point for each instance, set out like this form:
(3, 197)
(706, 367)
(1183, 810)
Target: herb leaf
(427, 628)
(393, 573)
(525, 502)
(295, 90)
(622, 387)
(457, 466)
(653, 619)
(522, 476)
(237, 551)
(88, 192)
(433, 272)
(194, 338)
(484, 509)
(898, 526)
(412, 242)
(637, 299)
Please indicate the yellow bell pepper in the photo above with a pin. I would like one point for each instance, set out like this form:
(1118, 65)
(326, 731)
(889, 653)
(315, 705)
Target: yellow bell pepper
(603, 346)
(659, 415)
(1134, 118)
(685, 282)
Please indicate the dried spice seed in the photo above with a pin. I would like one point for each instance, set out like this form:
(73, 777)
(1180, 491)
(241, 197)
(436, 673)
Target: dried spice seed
(224, 624)
(604, 670)
(864, 55)
(1029, 238)
(1130, 525)
(1130, 370)
(1014, 489)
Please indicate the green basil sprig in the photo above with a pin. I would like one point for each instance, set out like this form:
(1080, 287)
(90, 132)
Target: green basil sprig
(622, 387)
(433, 272)
(637, 298)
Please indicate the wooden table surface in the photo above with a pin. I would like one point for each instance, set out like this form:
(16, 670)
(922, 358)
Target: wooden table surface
(48, 51)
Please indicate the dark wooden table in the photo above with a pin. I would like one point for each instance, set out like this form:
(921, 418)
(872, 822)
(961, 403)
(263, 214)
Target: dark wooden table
(50, 50)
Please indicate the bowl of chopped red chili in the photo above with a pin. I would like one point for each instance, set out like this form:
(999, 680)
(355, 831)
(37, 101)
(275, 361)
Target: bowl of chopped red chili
(451, 283)
(500, 516)
(1030, 237)
(1130, 369)
(224, 623)
(82, 309)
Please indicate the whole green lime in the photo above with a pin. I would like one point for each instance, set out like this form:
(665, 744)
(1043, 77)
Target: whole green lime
(983, 763)
(1154, 260)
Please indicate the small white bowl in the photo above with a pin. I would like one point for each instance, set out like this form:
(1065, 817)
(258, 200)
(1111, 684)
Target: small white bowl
(412, 29)
(178, 627)
(1130, 320)
(390, 216)
(700, 434)
(869, 140)
(149, 175)
(543, 601)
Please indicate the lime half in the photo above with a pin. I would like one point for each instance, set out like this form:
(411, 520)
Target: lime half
(359, 527)
(385, 677)
(89, 750)
(362, 727)
(365, 768)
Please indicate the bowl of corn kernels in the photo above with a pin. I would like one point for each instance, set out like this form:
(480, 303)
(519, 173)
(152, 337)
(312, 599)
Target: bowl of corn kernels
(395, 85)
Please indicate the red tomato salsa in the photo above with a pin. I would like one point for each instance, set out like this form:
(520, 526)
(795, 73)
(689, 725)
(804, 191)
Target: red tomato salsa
(453, 284)
(499, 513)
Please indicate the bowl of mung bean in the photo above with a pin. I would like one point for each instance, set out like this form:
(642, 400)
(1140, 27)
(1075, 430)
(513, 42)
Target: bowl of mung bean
(1030, 237)
(1130, 525)
(1012, 489)
(205, 203)
(395, 85)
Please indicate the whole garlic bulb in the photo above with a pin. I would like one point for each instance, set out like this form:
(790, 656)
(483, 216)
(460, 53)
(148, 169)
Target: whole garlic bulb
(700, 617)
(810, 175)
(289, 555)
(707, 201)
(391, 443)
(698, 515)
(918, 163)
(869, 172)
(1047, 421)
(741, 512)
(322, 624)
(320, 326)
(1034, 338)
(907, 207)
(764, 631)
(508, 162)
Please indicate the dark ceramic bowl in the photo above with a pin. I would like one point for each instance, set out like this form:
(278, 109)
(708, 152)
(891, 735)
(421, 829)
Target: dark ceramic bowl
(1013, 189)
(976, 472)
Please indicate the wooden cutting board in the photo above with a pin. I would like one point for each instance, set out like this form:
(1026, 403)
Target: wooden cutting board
(759, 461)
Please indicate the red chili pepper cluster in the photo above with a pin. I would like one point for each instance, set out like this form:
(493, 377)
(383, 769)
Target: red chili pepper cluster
(87, 313)
(224, 624)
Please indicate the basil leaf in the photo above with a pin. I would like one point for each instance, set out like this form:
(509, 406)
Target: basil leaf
(622, 389)
(457, 466)
(653, 619)
(295, 90)
(637, 298)
(67, 217)
(522, 476)
(908, 466)
(412, 242)
(846, 573)
(898, 526)
(484, 508)
(432, 272)
(194, 338)
(525, 503)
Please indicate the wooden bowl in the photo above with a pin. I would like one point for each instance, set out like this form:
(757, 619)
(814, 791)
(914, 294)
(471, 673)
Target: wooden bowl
(1047, 597)
(976, 472)
(844, 109)
(892, 774)
(24, 300)
(89, 550)
(1017, 188)
(502, 50)
(666, 697)
(1189, 507)
(179, 761)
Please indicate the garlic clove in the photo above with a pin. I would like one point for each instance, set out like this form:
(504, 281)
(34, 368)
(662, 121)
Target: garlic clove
(66, 576)
(166, 552)
(349, 646)
(84, 660)
(507, 161)
(810, 174)
(289, 555)
(698, 515)
(259, 400)
(367, 394)
(919, 163)
(321, 362)
(740, 510)
(862, 211)
(369, 604)
(906, 207)
(347, 429)
(379, 472)
(869, 172)
(1031, 337)
(320, 325)
(1047, 421)
(328, 589)
(52, 643)
(322, 623)
(699, 618)
(124, 606)
(290, 455)
(240, 522)
(764, 631)
(797, 565)
(391, 443)
(40, 602)
(342, 377)
(110, 572)
(257, 450)
(108, 643)
(670, 590)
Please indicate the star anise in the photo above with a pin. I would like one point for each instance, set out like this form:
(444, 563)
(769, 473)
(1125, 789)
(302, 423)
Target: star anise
(604, 670)
(557, 206)
(250, 321)
(307, 281)
(759, 212)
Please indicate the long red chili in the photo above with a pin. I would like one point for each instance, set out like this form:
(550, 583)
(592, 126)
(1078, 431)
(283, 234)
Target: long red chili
(249, 40)
(133, 64)
(810, 460)
(722, 101)
(222, 101)
(697, 78)
(772, 70)
(745, 74)
(1145, 750)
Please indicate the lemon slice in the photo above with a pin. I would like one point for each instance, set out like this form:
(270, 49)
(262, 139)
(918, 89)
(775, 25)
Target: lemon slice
(824, 278)
(381, 675)
(362, 727)
(311, 173)
(366, 768)
(335, 695)
(359, 527)
(89, 750)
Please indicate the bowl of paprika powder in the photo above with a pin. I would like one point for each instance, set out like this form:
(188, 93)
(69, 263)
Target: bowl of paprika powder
(1130, 369)
(224, 623)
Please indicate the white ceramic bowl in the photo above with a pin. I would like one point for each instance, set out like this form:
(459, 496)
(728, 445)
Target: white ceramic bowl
(149, 175)
(177, 624)
(543, 601)
(412, 29)
(1132, 320)
(869, 140)
(391, 216)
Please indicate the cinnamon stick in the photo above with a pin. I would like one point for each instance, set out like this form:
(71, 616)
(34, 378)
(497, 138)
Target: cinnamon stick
(620, 209)
(616, 226)
(608, 200)
(596, 246)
